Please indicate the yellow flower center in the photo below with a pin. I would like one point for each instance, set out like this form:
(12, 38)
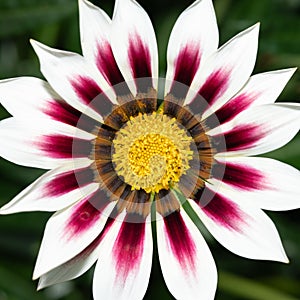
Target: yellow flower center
(151, 152)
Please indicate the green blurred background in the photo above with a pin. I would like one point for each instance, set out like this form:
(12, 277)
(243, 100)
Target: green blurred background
(55, 22)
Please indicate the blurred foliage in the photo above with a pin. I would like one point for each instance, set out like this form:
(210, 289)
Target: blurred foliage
(55, 23)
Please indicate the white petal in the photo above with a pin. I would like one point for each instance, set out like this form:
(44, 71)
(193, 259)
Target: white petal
(227, 70)
(29, 142)
(77, 265)
(261, 89)
(123, 269)
(267, 86)
(95, 27)
(194, 37)
(260, 129)
(25, 97)
(53, 191)
(264, 182)
(30, 97)
(95, 30)
(187, 264)
(70, 231)
(134, 43)
(69, 270)
(76, 80)
(239, 226)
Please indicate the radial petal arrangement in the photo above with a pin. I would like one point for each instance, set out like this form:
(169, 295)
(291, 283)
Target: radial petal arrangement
(120, 157)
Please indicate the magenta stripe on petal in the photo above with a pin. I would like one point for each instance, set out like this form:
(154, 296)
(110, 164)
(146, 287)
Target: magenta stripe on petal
(214, 86)
(186, 66)
(87, 213)
(68, 181)
(62, 112)
(181, 242)
(234, 107)
(140, 60)
(231, 109)
(65, 113)
(243, 177)
(92, 95)
(220, 209)
(243, 137)
(90, 248)
(129, 247)
(86, 88)
(61, 146)
(106, 63)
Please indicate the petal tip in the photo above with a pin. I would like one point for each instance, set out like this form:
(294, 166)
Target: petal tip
(285, 259)
(123, 5)
(4, 210)
(34, 43)
(255, 27)
(86, 3)
(36, 275)
(282, 257)
(40, 285)
(293, 70)
(37, 46)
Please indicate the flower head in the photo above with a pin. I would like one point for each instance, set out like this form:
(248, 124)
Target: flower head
(121, 156)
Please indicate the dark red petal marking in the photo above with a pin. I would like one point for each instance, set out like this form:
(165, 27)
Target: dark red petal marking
(220, 209)
(215, 85)
(86, 213)
(107, 64)
(181, 242)
(68, 181)
(65, 113)
(140, 61)
(86, 88)
(243, 137)
(91, 94)
(129, 246)
(62, 112)
(241, 176)
(61, 146)
(186, 66)
(234, 107)
(89, 249)
(231, 109)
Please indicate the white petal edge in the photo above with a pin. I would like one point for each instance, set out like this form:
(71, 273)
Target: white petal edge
(279, 123)
(256, 236)
(35, 198)
(186, 285)
(69, 270)
(262, 88)
(197, 25)
(58, 247)
(20, 137)
(106, 285)
(95, 27)
(281, 181)
(74, 267)
(237, 57)
(26, 97)
(59, 67)
(130, 18)
(268, 86)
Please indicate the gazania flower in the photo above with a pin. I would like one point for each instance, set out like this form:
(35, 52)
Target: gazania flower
(120, 157)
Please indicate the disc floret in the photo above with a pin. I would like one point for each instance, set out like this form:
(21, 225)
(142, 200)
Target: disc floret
(151, 152)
